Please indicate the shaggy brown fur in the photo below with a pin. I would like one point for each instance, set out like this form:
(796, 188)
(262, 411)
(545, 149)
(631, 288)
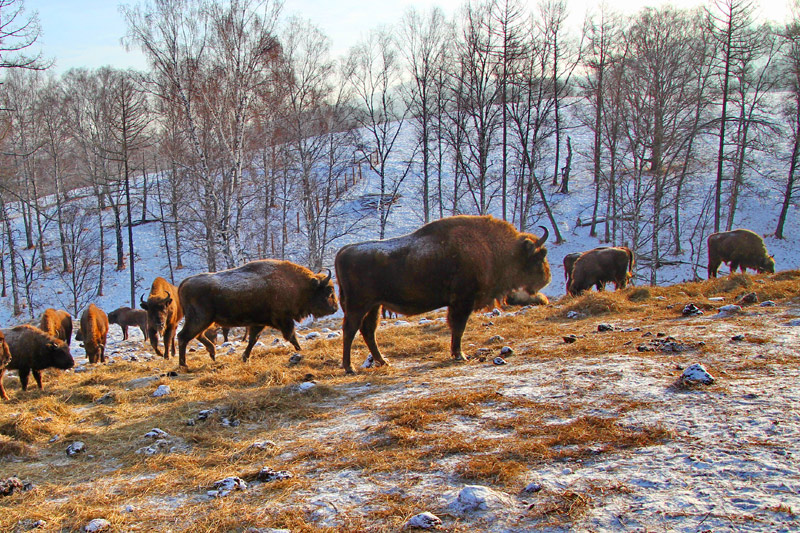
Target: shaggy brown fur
(57, 323)
(600, 266)
(164, 311)
(33, 350)
(462, 263)
(256, 295)
(5, 358)
(741, 248)
(94, 330)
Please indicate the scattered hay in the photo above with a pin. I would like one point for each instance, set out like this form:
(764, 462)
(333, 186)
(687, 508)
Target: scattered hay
(597, 303)
(786, 275)
(639, 294)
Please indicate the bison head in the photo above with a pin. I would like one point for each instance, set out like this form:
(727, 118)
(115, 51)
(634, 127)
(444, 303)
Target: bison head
(768, 265)
(5, 355)
(157, 310)
(536, 269)
(59, 356)
(113, 316)
(323, 299)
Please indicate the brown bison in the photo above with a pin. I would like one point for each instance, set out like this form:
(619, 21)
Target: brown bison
(569, 262)
(5, 357)
(93, 332)
(33, 350)
(256, 295)
(600, 266)
(164, 311)
(57, 323)
(740, 248)
(125, 317)
(462, 263)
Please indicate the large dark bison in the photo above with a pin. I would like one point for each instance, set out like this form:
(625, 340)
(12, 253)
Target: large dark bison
(5, 358)
(57, 323)
(126, 317)
(462, 263)
(164, 311)
(33, 350)
(256, 295)
(93, 332)
(741, 248)
(600, 266)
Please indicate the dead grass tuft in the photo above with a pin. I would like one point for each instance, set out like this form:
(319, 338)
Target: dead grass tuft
(639, 294)
(598, 303)
(10, 448)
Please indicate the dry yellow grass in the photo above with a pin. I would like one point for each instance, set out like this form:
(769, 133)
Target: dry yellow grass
(489, 436)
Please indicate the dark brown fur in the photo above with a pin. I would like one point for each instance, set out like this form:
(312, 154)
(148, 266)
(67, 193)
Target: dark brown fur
(740, 248)
(463, 263)
(256, 295)
(569, 262)
(33, 350)
(57, 323)
(125, 317)
(94, 331)
(164, 311)
(600, 266)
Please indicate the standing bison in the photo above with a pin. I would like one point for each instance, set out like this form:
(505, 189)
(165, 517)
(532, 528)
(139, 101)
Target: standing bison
(256, 295)
(57, 323)
(164, 311)
(93, 332)
(5, 358)
(126, 317)
(569, 262)
(33, 350)
(600, 266)
(741, 248)
(462, 263)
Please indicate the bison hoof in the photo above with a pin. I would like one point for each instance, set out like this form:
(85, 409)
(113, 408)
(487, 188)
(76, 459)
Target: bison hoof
(460, 357)
(349, 371)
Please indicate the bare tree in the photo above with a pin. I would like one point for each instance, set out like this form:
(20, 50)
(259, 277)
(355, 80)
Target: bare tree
(80, 280)
(791, 70)
(18, 31)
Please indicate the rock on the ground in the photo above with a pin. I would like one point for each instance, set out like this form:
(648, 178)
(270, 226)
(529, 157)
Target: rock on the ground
(13, 484)
(223, 487)
(477, 498)
(162, 390)
(368, 362)
(267, 474)
(506, 350)
(156, 433)
(75, 448)
(424, 520)
(696, 373)
(306, 386)
(98, 524)
(499, 361)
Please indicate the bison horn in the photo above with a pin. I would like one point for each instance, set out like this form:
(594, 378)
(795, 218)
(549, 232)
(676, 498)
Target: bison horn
(168, 298)
(141, 298)
(544, 237)
(327, 279)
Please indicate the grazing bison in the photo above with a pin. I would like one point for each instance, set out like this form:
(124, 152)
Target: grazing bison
(569, 262)
(462, 263)
(33, 350)
(93, 333)
(258, 294)
(57, 323)
(164, 311)
(125, 317)
(600, 266)
(741, 248)
(5, 357)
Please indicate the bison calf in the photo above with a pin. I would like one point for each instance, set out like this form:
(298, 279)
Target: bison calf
(33, 350)
(463, 263)
(93, 333)
(256, 295)
(741, 248)
(125, 317)
(57, 323)
(164, 311)
(5, 357)
(600, 266)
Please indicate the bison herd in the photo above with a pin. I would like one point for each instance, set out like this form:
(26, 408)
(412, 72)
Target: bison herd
(463, 263)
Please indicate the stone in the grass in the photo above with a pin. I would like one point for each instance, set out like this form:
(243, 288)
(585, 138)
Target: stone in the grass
(223, 487)
(98, 524)
(75, 448)
(424, 520)
(162, 390)
(14, 484)
(368, 362)
(506, 350)
(306, 386)
(605, 327)
(499, 361)
(696, 373)
(156, 433)
(295, 358)
(495, 339)
(477, 498)
(267, 475)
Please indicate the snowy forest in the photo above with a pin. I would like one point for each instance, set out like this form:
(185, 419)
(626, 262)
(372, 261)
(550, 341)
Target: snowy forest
(246, 139)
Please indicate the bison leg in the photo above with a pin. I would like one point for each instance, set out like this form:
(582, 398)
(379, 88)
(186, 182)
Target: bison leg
(102, 349)
(37, 375)
(254, 332)
(210, 347)
(457, 317)
(287, 329)
(351, 324)
(23, 373)
(124, 333)
(152, 334)
(2, 389)
(713, 266)
(187, 333)
(368, 326)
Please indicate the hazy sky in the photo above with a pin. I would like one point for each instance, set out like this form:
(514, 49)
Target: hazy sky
(87, 33)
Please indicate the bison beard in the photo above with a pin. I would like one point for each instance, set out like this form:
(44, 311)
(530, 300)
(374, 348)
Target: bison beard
(256, 295)
(462, 263)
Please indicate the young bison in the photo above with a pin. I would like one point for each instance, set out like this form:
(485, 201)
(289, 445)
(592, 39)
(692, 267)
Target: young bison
(5, 357)
(93, 333)
(741, 248)
(57, 323)
(125, 317)
(164, 311)
(33, 350)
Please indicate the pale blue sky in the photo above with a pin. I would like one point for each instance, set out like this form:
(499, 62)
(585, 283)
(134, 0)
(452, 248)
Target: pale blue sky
(87, 33)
